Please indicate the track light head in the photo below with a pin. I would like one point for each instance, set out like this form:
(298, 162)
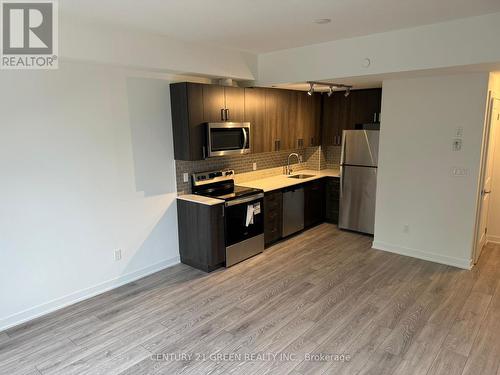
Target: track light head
(347, 92)
(311, 90)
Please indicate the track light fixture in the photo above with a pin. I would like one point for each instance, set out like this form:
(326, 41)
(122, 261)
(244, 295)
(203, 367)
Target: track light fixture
(331, 87)
(311, 90)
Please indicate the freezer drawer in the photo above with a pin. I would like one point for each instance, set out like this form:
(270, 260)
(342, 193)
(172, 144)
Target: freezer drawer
(358, 187)
(293, 211)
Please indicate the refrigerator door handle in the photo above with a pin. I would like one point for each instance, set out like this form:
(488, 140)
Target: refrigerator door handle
(341, 180)
(342, 151)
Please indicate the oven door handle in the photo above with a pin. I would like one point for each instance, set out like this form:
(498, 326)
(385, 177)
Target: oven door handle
(244, 200)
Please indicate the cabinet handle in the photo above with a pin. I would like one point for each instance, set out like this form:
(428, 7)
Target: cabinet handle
(227, 114)
(222, 114)
(204, 151)
(375, 117)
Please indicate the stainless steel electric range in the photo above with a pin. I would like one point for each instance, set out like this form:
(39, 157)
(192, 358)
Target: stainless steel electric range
(243, 213)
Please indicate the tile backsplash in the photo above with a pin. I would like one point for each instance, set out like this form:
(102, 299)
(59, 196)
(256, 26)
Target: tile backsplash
(268, 164)
(332, 156)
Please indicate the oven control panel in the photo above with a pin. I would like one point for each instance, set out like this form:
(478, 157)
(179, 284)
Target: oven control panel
(211, 177)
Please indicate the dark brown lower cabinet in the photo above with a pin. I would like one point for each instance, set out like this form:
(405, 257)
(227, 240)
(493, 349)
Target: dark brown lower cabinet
(314, 203)
(332, 197)
(273, 216)
(201, 235)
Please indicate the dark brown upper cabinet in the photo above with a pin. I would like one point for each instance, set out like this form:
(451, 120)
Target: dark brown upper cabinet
(308, 120)
(214, 103)
(187, 120)
(280, 119)
(365, 106)
(343, 113)
(223, 103)
(335, 117)
(291, 120)
(277, 119)
(193, 105)
(255, 101)
(234, 104)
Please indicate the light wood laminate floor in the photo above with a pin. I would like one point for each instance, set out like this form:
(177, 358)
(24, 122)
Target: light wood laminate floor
(321, 292)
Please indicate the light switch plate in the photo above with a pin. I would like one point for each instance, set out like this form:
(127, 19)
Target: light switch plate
(185, 177)
(254, 166)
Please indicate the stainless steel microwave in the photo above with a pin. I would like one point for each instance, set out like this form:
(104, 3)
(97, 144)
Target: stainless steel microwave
(228, 138)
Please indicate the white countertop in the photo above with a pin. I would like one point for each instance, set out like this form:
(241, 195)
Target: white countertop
(200, 199)
(266, 184)
(282, 181)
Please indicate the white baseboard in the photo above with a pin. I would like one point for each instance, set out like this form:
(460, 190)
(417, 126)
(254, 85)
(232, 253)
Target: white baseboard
(493, 239)
(433, 257)
(59, 303)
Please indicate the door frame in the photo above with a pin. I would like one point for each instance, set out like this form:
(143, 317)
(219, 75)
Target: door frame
(482, 174)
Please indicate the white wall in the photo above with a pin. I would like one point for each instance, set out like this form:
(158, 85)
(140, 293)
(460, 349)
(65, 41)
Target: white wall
(415, 185)
(494, 209)
(86, 159)
(447, 44)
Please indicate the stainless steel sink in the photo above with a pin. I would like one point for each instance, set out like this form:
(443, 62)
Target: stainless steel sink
(301, 176)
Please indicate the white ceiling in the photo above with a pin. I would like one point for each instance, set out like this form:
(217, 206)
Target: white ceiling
(267, 25)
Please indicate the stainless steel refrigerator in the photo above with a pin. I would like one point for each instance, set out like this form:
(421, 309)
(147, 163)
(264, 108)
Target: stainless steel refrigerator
(358, 180)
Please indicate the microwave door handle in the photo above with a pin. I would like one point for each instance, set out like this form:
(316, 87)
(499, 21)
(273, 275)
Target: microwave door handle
(245, 138)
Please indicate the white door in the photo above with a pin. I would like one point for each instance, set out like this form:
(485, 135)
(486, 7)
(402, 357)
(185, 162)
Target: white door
(488, 174)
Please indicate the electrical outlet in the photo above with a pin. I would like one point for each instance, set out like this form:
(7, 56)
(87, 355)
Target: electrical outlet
(185, 177)
(459, 172)
(254, 166)
(300, 158)
(118, 255)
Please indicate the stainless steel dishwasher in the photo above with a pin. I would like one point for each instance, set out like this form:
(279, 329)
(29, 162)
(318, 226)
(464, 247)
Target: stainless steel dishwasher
(293, 210)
